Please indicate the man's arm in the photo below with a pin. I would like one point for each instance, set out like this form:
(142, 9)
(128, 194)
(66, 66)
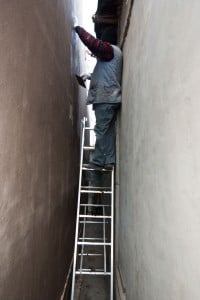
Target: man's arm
(102, 50)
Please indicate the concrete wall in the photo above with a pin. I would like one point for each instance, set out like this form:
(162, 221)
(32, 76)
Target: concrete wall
(159, 204)
(38, 147)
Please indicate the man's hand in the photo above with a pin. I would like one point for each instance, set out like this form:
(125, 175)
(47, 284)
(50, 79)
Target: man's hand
(74, 22)
(86, 76)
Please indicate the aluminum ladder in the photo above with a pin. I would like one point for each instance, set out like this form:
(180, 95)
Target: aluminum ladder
(95, 209)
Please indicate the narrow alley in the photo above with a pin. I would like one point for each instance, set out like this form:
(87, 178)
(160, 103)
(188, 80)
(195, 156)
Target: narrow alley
(147, 204)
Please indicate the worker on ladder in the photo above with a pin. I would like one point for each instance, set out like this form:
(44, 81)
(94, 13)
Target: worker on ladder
(104, 92)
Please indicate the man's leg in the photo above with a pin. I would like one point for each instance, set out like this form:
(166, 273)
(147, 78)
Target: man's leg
(104, 152)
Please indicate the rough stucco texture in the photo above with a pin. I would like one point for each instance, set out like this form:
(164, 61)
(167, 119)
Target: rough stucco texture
(159, 226)
(38, 148)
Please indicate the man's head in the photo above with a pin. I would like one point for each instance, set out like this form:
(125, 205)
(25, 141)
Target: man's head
(109, 35)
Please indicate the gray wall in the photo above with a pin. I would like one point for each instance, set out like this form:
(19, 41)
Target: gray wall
(38, 148)
(159, 130)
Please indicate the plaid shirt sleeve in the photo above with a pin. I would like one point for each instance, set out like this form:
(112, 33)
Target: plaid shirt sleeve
(100, 49)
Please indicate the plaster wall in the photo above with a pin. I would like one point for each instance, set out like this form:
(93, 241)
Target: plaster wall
(159, 133)
(39, 144)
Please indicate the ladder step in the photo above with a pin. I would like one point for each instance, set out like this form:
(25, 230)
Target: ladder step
(88, 147)
(90, 270)
(95, 217)
(94, 222)
(92, 273)
(91, 239)
(99, 188)
(95, 192)
(89, 128)
(94, 243)
(95, 205)
(90, 254)
(88, 167)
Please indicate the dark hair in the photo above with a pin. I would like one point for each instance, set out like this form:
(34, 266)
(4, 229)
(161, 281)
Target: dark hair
(110, 35)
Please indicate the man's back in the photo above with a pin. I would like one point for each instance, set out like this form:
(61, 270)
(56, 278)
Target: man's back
(106, 80)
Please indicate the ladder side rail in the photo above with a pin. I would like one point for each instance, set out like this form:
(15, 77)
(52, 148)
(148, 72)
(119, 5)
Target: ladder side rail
(112, 236)
(77, 214)
(104, 238)
(83, 121)
(83, 239)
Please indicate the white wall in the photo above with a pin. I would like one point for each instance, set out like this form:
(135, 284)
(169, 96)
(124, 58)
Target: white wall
(159, 184)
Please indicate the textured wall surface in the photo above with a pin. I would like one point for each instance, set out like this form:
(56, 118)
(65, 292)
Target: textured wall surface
(159, 207)
(38, 147)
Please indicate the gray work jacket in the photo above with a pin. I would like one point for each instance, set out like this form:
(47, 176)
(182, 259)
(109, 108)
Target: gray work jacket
(105, 85)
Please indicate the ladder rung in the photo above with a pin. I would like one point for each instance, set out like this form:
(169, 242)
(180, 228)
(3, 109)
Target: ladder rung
(91, 239)
(94, 169)
(91, 270)
(94, 243)
(107, 188)
(88, 147)
(95, 192)
(95, 205)
(92, 273)
(95, 217)
(93, 222)
(90, 254)
(101, 239)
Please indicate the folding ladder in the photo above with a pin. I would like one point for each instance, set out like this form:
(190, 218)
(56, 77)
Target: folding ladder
(95, 209)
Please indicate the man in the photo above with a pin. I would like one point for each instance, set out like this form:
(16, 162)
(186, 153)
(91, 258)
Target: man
(104, 93)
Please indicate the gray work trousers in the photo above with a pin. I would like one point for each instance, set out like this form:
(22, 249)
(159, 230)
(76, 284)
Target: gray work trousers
(104, 152)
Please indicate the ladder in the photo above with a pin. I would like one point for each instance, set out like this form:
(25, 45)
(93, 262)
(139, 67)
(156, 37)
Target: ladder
(94, 234)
